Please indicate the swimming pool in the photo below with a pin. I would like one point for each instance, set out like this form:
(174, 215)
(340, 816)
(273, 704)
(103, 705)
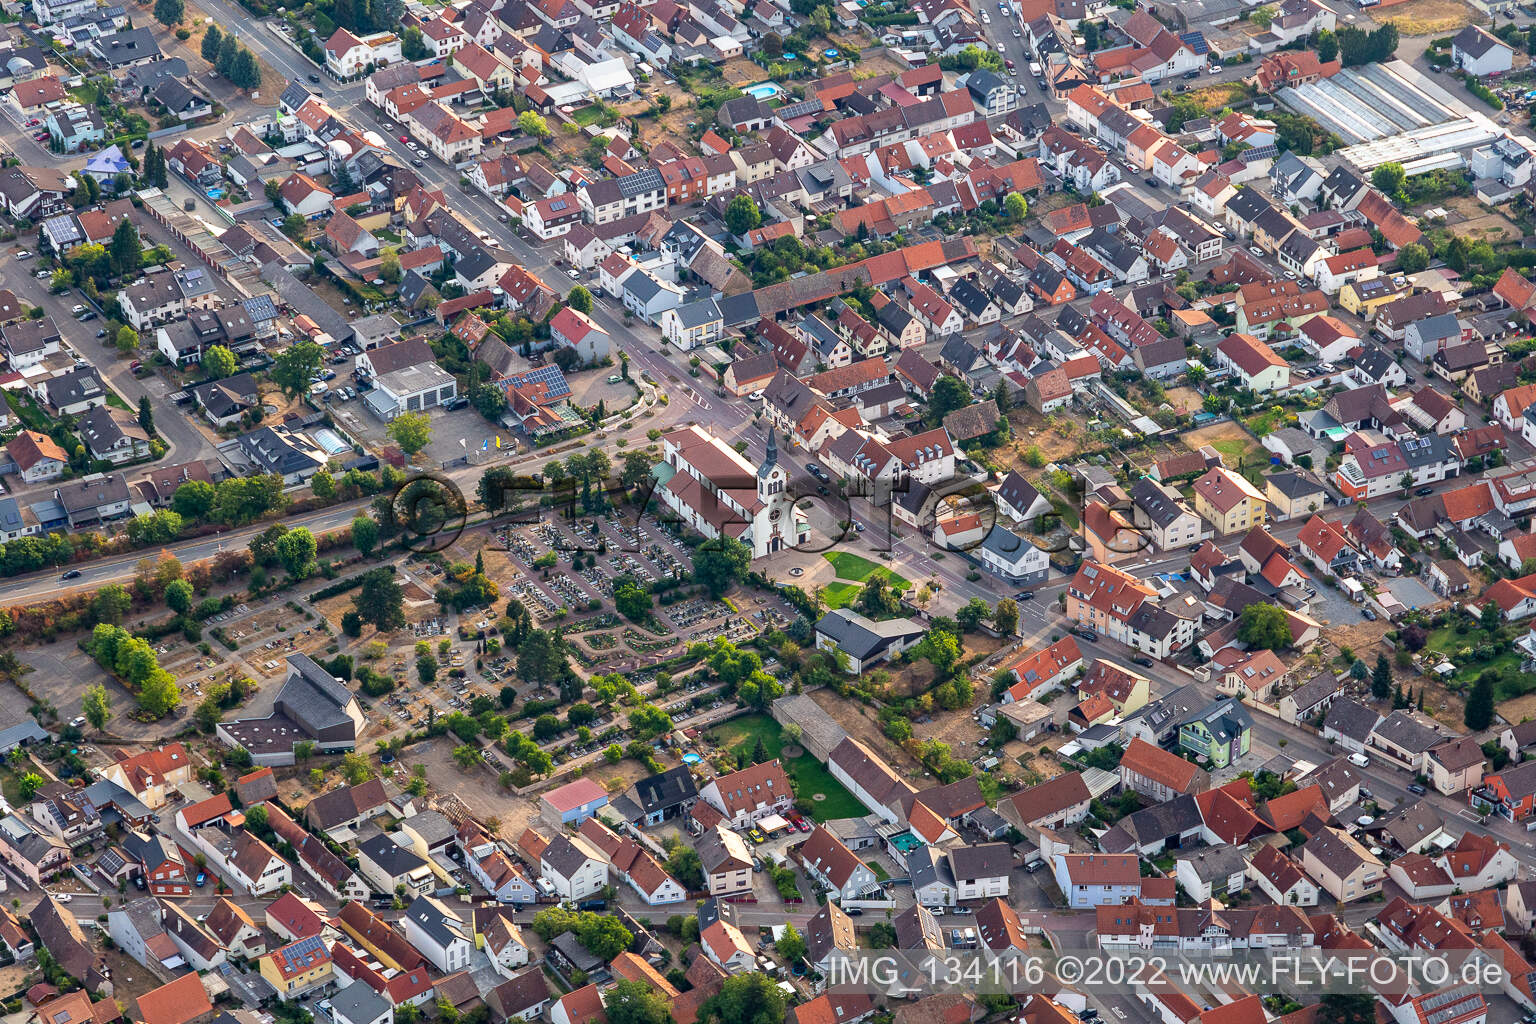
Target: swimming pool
(763, 90)
(331, 441)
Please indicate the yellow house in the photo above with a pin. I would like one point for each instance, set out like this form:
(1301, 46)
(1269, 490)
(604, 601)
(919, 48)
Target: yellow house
(1109, 535)
(1126, 690)
(1364, 298)
(297, 967)
(474, 61)
(1228, 501)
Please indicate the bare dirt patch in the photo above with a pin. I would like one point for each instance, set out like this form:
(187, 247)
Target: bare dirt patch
(1057, 436)
(859, 721)
(1431, 17)
(1185, 400)
(1470, 217)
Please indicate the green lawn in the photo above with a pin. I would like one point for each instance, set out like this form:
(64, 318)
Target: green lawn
(808, 775)
(1265, 422)
(858, 569)
(839, 595)
(1512, 683)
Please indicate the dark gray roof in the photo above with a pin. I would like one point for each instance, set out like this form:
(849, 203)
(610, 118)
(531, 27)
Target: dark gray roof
(1156, 503)
(668, 789)
(1294, 485)
(434, 919)
(861, 637)
(1154, 824)
(1351, 718)
(358, 1004)
(926, 866)
(1403, 729)
(564, 856)
(312, 697)
(1214, 863)
(987, 860)
(390, 856)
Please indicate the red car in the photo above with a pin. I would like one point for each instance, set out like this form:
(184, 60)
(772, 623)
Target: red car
(33, 123)
(405, 138)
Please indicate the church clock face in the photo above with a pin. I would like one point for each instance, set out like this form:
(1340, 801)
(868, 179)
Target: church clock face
(774, 515)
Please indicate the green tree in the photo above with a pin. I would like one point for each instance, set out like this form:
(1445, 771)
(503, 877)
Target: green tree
(1262, 16)
(127, 251)
(170, 12)
(389, 268)
(412, 431)
(684, 865)
(1005, 617)
(178, 596)
(322, 485)
(1327, 46)
(1015, 206)
(720, 562)
(246, 72)
(634, 1002)
(380, 600)
(127, 339)
(466, 756)
(1480, 702)
(111, 603)
(229, 51)
(972, 614)
(580, 299)
(949, 393)
(1381, 678)
(355, 768)
(96, 706)
(631, 600)
(412, 46)
(941, 648)
(742, 215)
(1490, 618)
(877, 598)
(29, 784)
(533, 124)
(159, 695)
(193, 500)
(365, 534)
(746, 999)
(603, 936)
(1412, 258)
(219, 362)
(211, 40)
(146, 415)
(1389, 178)
(294, 367)
(1264, 626)
(296, 549)
(542, 657)
(790, 945)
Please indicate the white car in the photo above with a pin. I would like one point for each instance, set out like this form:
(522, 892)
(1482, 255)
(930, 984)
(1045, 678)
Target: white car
(62, 897)
(756, 396)
(1359, 760)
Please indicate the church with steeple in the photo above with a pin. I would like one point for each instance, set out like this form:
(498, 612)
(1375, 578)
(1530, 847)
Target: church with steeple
(717, 492)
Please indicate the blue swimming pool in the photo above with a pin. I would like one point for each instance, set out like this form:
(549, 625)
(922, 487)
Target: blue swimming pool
(763, 90)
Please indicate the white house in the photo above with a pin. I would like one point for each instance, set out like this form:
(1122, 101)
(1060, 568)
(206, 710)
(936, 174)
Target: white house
(573, 867)
(439, 934)
(1479, 52)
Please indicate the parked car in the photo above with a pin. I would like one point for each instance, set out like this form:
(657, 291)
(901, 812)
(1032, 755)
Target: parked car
(1143, 662)
(202, 879)
(1417, 789)
(1359, 760)
(756, 836)
(1424, 492)
(24, 254)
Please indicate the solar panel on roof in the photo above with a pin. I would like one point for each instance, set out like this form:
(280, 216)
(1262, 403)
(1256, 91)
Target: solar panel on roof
(1196, 42)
